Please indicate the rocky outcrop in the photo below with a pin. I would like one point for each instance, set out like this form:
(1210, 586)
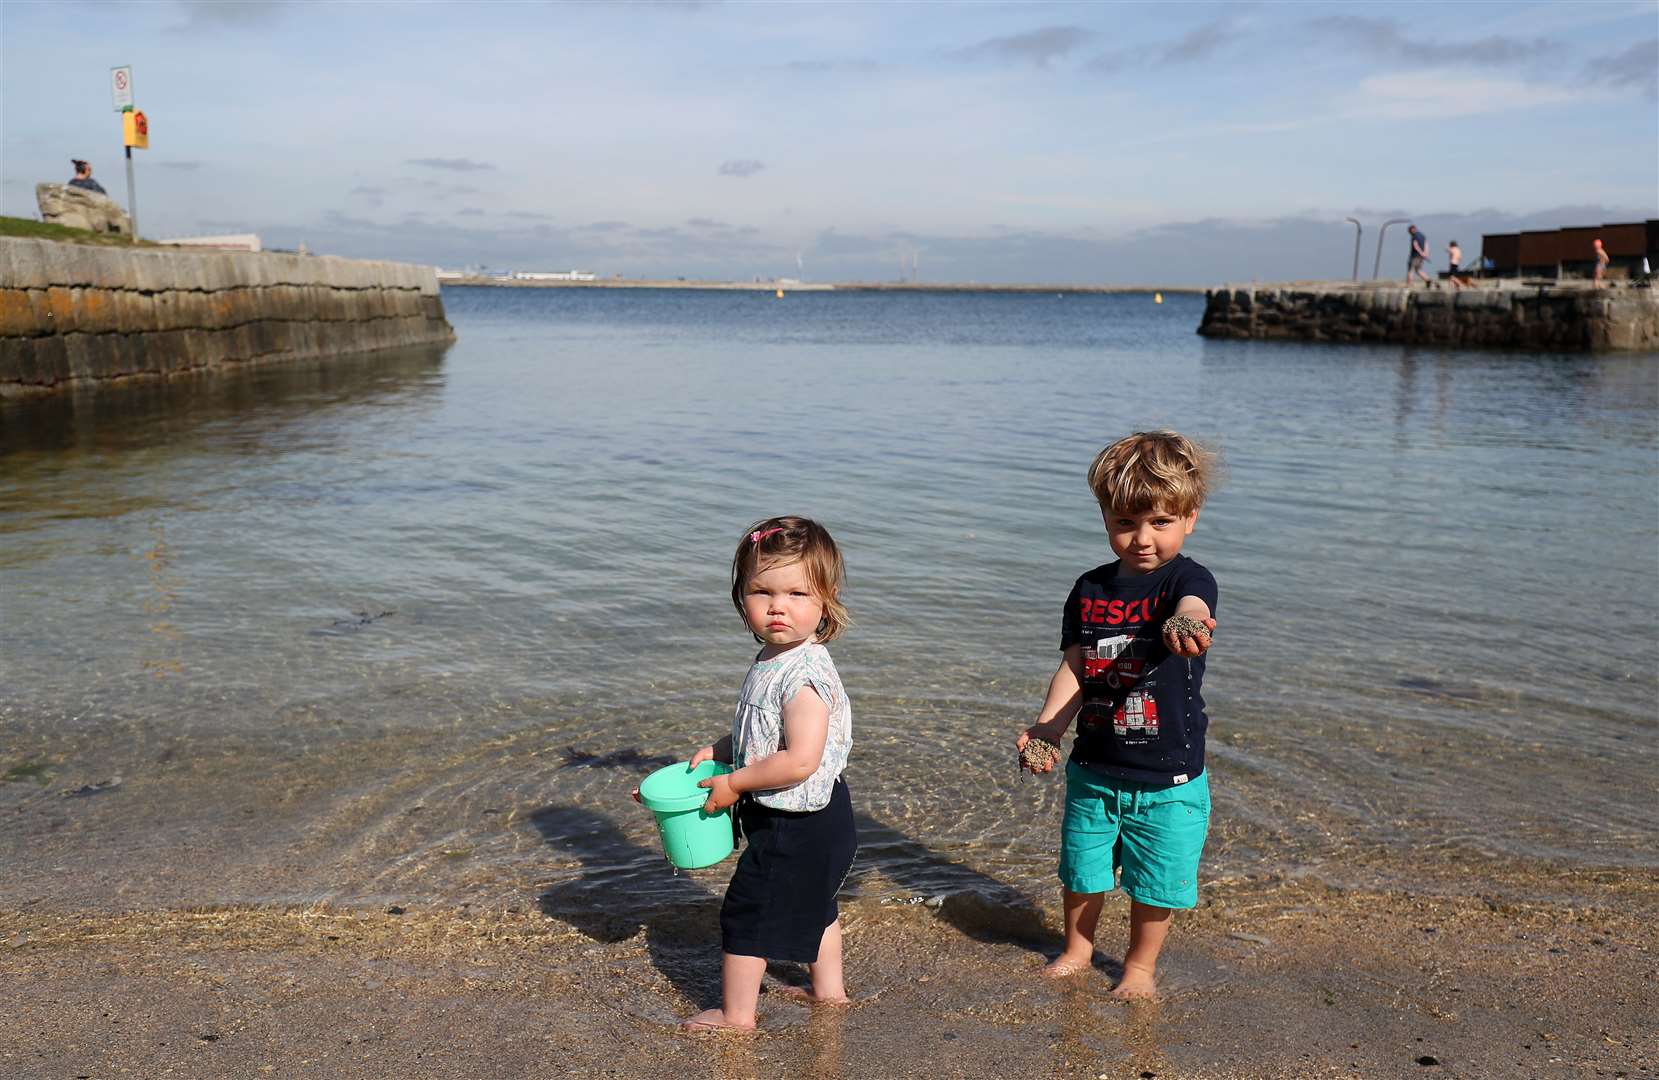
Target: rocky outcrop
(79, 314)
(1538, 318)
(78, 208)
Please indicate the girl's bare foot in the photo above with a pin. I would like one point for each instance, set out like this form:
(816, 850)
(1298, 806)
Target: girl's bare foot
(808, 997)
(714, 1020)
(1065, 966)
(1136, 984)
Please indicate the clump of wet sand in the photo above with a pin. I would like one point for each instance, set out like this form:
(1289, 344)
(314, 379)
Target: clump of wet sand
(1039, 754)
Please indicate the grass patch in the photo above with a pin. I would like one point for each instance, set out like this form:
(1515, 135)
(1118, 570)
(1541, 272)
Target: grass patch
(28, 770)
(41, 230)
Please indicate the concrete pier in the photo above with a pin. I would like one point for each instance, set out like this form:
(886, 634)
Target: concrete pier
(1493, 315)
(77, 314)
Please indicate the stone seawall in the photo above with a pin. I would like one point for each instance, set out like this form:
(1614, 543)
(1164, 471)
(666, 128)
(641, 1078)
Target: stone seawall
(1503, 316)
(74, 314)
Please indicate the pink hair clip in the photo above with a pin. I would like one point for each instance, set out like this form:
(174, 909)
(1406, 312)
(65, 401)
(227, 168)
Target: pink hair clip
(757, 537)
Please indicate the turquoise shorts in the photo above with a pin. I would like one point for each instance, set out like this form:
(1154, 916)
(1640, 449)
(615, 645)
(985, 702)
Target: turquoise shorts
(1153, 833)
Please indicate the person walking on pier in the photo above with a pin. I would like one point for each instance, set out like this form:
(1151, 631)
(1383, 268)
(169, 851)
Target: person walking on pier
(1602, 259)
(1419, 255)
(1454, 260)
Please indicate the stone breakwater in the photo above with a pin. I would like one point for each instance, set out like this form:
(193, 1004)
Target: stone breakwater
(74, 315)
(1508, 316)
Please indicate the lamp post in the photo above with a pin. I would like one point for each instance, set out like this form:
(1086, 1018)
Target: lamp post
(1377, 269)
(1358, 229)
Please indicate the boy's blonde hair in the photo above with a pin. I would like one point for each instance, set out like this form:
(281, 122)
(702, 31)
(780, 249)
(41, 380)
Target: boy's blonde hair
(782, 540)
(1151, 470)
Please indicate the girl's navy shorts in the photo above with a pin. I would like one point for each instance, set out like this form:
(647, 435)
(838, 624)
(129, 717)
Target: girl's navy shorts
(782, 894)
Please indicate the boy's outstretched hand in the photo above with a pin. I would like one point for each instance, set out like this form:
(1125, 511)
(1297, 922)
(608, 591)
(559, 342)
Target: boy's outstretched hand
(1045, 754)
(1186, 636)
(721, 793)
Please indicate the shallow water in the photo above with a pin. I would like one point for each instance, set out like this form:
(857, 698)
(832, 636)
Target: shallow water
(413, 624)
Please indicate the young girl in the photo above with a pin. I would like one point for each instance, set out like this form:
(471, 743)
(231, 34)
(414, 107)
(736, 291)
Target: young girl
(789, 743)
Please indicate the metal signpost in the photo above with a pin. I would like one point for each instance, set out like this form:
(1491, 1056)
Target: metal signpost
(135, 131)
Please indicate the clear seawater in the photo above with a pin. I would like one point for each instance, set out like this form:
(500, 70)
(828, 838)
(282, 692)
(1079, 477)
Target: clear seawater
(413, 624)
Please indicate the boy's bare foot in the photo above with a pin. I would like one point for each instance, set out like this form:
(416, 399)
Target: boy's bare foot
(1136, 984)
(714, 1020)
(1064, 966)
(807, 997)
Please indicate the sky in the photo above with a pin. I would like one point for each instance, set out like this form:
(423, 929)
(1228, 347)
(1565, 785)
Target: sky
(992, 142)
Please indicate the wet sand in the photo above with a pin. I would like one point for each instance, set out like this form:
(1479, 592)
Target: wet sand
(1267, 978)
(450, 927)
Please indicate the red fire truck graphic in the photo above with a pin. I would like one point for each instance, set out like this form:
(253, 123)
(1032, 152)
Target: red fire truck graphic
(1138, 715)
(1105, 660)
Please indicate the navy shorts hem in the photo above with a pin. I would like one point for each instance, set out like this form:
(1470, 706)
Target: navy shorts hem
(782, 894)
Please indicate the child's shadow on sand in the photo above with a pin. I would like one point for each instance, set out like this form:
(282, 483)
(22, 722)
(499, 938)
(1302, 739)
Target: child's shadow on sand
(680, 916)
(976, 904)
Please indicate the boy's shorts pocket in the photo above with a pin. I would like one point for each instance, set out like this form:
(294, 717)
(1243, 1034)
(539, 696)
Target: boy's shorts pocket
(1162, 839)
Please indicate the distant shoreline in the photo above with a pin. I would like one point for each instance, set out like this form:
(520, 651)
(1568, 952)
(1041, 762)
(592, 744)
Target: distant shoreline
(815, 286)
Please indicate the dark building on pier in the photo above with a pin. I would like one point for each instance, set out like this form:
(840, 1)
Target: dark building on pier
(1570, 253)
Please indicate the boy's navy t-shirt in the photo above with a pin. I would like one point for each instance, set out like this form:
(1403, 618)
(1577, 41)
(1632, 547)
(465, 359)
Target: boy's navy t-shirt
(1142, 716)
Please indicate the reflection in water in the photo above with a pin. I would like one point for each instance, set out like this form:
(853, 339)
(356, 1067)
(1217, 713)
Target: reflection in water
(263, 398)
(163, 590)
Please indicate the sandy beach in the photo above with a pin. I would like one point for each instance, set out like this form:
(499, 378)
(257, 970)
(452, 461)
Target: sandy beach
(1485, 967)
(1266, 979)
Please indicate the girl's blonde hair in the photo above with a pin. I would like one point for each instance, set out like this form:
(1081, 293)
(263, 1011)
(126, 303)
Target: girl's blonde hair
(1150, 470)
(782, 540)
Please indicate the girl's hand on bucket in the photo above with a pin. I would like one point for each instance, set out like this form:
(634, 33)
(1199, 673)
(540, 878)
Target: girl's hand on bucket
(705, 754)
(721, 793)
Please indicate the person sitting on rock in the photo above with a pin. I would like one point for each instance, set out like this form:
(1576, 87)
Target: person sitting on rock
(83, 177)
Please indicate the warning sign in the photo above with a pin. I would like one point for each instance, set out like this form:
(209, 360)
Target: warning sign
(120, 87)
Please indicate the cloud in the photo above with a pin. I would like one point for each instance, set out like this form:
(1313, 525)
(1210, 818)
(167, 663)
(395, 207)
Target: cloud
(1635, 68)
(821, 66)
(333, 219)
(1383, 37)
(453, 164)
(706, 223)
(1199, 42)
(1039, 48)
(1409, 96)
(741, 167)
(439, 187)
(471, 211)
(199, 14)
(1110, 63)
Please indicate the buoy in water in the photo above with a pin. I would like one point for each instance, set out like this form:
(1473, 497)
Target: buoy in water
(780, 294)
(1157, 298)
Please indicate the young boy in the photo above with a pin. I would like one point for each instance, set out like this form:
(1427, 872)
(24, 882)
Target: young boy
(1137, 796)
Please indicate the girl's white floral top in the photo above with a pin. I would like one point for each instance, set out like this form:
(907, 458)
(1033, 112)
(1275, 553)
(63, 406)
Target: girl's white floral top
(757, 729)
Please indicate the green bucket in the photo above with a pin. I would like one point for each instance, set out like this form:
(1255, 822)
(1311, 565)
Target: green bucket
(690, 838)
